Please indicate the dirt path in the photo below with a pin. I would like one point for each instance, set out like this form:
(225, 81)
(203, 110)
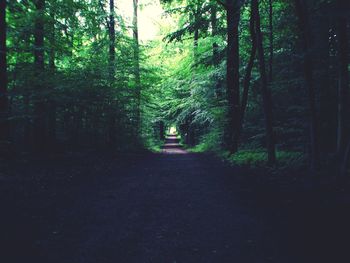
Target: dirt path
(164, 208)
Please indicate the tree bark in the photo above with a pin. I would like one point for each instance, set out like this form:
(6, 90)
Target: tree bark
(345, 161)
(39, 107)
(343, 92)
(214, 26)
(327, 103)
(270, 79)
(112, 40)
(303, 23)
(161, 130)
(4, 128)
(266, 95)
(51, 129)
(232, 75)
(111, 31)
(137, 66)
(248, 72)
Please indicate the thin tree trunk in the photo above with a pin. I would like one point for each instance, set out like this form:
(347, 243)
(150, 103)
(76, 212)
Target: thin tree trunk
(213, 21)
(111, 31)
(216, 59)
(161, 130)
(112, 40)
(232, 75)
(301, 12)
(4, 129)
(39, 107)
(270, 79)
(196, 32)
(137, 67)
(51, 129)
(248, 72)
(266, 95)
(52, 53)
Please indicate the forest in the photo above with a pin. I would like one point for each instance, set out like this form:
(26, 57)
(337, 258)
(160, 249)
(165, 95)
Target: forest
(174, 131)
(258, 82)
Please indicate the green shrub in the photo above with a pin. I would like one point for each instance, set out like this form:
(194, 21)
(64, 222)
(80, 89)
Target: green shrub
(258, 158)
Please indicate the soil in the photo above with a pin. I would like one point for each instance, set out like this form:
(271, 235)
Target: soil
(165, 208)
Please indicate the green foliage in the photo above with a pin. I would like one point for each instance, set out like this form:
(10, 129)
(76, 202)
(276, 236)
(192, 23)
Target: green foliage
(258, 158)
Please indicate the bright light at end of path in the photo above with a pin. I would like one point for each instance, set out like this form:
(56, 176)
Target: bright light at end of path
(173, 130)
(149, 16)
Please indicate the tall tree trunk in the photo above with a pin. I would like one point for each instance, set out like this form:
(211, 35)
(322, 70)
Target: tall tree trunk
(4, 129)
(39, 107)
(266, 95)
(111, 31)
(112, 108)
(51, 129)
(214, 33)
(248, 72)
(270, 79)
(304, 26)
(343, 93)
(216, 59)
(232, 75)
(196, 32)
(137, 67)
(327, 93)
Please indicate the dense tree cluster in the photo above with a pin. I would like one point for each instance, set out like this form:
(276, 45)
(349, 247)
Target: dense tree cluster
(73, 70)
(264, 74)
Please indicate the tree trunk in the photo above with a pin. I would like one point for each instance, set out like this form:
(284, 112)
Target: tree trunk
(327, 94)
(303, 24)
(266, 95)
(270, 79)
(39, 107)
(51, 129)
(137, 67)
(248, 73)
(4, 129)
(345, 162)
(111, 31)
(343, 92)
(232, 75)
(216, 59)
(161, 130)
(112, 108)
(214, 26)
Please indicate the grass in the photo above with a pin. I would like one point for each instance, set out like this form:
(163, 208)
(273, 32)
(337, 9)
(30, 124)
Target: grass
(254, 158)
(154, 146)
(258, 158)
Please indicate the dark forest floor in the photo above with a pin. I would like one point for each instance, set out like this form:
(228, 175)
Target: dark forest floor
(166, 208)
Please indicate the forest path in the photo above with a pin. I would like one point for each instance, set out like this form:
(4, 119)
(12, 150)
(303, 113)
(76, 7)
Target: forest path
(161, 208)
